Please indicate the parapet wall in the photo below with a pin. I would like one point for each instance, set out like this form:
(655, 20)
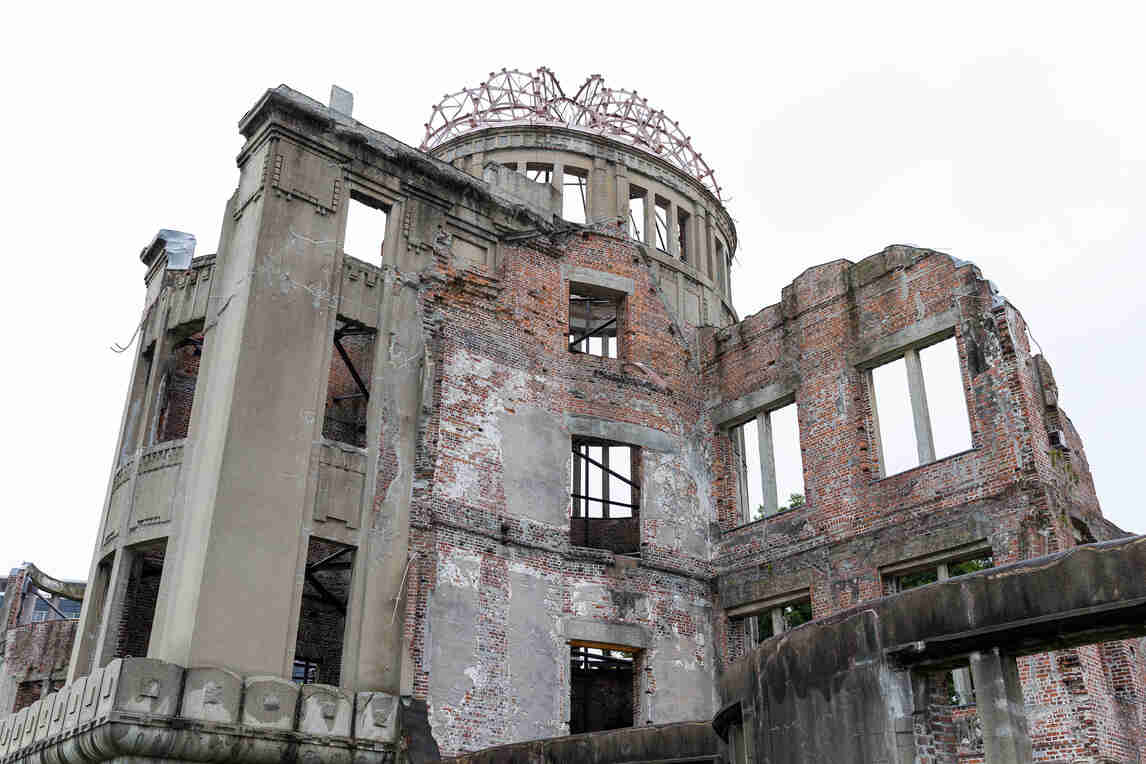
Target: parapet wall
(137, 707)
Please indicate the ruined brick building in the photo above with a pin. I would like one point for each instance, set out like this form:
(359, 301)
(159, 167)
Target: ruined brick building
(462, 446)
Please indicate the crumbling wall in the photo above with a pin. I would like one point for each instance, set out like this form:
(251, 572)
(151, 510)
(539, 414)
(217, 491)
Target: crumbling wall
(498, 585)
(1013, 490)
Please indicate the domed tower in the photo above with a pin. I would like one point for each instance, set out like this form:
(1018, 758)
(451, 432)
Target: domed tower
(616, 161)
(428, 426)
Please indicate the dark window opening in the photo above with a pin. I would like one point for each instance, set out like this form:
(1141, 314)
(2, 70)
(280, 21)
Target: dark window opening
(682, 221)
(366, 221)
(137, 613)
(662, 223)
(601, 689)
(593, 319)
(348, 385)
(1081, 532)
(177, 389)
(605, 496)
(781, 618)
(322, 615)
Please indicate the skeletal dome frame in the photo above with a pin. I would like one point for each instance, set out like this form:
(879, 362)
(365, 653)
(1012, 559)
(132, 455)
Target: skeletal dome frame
(512, 97)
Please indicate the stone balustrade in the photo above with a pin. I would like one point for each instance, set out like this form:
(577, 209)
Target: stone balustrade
(140, 707)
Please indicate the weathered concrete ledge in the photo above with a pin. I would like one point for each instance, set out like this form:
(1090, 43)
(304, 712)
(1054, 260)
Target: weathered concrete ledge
(680, 742)
(138, 707)
(844, 682)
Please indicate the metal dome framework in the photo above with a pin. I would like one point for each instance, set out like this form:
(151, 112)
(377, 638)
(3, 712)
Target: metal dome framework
(514, 97)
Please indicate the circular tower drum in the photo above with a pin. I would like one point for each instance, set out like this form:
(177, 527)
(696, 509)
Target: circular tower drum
(617, 164)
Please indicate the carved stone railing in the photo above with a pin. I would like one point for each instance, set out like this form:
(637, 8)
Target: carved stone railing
(139, 707)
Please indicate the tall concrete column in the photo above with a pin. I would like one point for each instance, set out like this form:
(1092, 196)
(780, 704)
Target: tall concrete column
(557, 179)
(602, 190)
(229, 585)
(924, 443)
(767, 464)
(670, 231)
(650, 219)
(623, 197)
(1006, 738)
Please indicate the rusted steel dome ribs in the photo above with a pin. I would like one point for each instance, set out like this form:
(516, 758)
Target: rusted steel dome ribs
(512, 96)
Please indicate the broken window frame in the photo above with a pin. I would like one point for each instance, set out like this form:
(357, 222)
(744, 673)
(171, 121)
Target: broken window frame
(347, 327)
(596, 656)
(769, 486)
(683, 221)
(921, 412)
(575, 177)
(339, 555)
(637, 222)
(539, 172)
(662, 209)
(606, 332)
(583, 467)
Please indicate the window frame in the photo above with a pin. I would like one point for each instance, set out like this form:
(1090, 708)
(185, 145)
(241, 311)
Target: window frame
(768, 484)
(920, 409)
(774, 607)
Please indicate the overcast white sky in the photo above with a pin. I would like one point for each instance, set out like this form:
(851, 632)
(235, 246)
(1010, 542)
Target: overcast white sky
(1010, 134)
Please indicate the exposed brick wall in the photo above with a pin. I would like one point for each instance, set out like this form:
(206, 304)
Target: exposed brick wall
(34, 653)
(139, 599)
(1012, 490)
(183, 373)
(498, 342)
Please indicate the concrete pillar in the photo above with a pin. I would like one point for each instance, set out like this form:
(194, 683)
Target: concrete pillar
(767, 464)
(623, 197)
(1006, 739)
(651, 219)
(557, 179)
(924, 442)
(672, 244)
(228, 596)
(602, 190)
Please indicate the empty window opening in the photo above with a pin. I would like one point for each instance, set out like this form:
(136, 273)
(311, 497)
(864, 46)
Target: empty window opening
(575, 195)
(539, 173)
(605, 491)
(593, 319)
(682, 221)
(662, 223)
(919, 408)
(366, 222)
(781, 618)
(348, 386)
(946, 402)
(322, 615)
(176, 391)
(638, 202)
(769, 463)
(601, 685)
(137, 612)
